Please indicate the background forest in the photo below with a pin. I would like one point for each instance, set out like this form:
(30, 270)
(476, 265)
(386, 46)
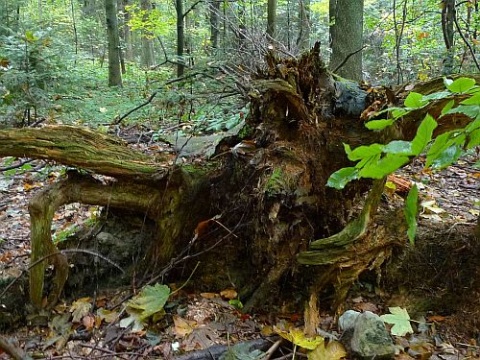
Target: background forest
(54, 55)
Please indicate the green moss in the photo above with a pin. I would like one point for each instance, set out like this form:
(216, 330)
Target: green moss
(277, 183)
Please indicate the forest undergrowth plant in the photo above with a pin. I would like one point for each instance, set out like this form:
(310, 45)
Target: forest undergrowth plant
(376, 161)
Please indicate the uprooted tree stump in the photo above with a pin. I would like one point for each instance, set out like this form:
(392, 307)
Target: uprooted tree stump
(261, 198)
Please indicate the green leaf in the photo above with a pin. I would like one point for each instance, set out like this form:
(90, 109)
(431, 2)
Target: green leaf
(379, 124)
(439, 145)
(342, 177)
(437, 95)
(474, 125)
(414, 100)
(150, 300)
(472, 111)
(446, 157)
(461, 85)
(400, 319)
(385, 166)
(410, 211)
(399, 112)
(399, 147)
(424, 134)
(365, 151)
(473, 100)
(448, 106)
(473, 139)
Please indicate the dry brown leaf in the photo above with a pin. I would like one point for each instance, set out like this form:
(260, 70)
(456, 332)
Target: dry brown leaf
(229, 294)
(183, 327)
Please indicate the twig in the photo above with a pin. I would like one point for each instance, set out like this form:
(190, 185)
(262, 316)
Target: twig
(12, 350)
(348, 57)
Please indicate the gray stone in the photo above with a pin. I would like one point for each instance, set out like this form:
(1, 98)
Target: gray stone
(371, 339)
(348, 319)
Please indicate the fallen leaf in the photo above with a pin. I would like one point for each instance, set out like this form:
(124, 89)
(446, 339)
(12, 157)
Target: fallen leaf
(182, 326)
(229, 294)
(400, 319)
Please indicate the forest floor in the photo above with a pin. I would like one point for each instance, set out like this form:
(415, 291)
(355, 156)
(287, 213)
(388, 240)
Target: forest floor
(438, 282)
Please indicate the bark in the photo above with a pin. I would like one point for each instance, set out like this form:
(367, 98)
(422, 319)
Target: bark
(114, 71)
(346, 38)
(271, 18)
(303, 24)
(180, 37)
(257, 212)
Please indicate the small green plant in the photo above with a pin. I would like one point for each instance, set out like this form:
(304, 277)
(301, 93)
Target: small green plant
(376, 161)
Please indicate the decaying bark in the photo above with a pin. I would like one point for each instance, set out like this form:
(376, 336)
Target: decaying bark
(267, 187)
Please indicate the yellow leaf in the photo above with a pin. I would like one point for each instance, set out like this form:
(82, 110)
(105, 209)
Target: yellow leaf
(229, 294)
(332, 351)
(297, 337)
(80, 308)
(183, 327)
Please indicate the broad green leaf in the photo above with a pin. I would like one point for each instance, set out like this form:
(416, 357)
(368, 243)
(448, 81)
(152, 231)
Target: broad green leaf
(400, 319)
(437, 95)
(441, 143)
(461, 85)
(472, 111)
(334, 350)
(367, 161)
(474, 125)
(399, 147)
(424, 134)
(342, 177)
(473, 100)
(365, 151)
(446, 157)
(385, 166)
(399, 112)
(347, 148)
(150, 300)
(379, 124)
(414, 100)
(473, 139)
(448, 106)
(296, 336)
(411, 211)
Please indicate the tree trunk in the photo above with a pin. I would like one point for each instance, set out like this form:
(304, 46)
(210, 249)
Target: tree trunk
(271, 18)
(257, 213)
(180, 37)
(303, 24)
(214, 9)
(114, 71)
(346, 38)
(448, 20)
(147, 58)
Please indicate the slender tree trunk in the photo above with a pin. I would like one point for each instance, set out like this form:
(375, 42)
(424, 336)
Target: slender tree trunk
(448, 20)
(271, 18)
(214, 8)
(303, 40)
(346, 37)
(127, 34)
(147, 58)
(114, 73)
(180, 37)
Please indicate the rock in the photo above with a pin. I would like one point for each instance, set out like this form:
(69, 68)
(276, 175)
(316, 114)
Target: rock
(370, 338)
(347, 320)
